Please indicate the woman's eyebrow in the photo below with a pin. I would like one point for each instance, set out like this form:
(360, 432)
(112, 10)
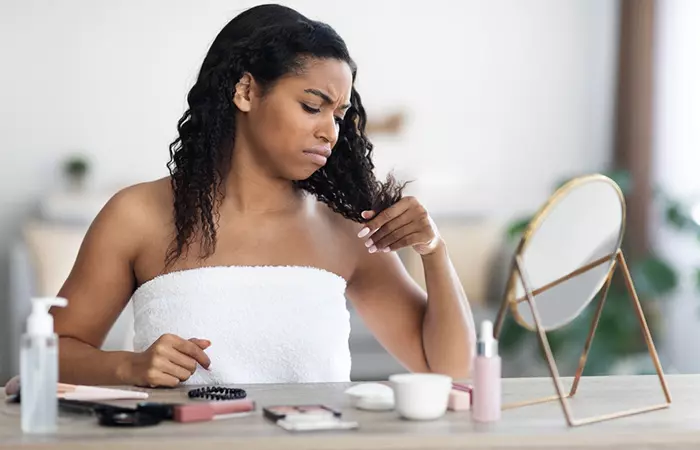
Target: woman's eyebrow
(325, 97)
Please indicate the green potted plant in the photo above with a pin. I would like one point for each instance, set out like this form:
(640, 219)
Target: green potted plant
(618, 337)
(76, 168)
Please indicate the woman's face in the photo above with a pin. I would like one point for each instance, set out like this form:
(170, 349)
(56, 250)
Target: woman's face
(293, 128)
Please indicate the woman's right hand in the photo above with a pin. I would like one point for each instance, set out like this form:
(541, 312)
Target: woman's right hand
(168, 361)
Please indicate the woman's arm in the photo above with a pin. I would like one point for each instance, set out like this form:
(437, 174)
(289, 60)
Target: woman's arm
(98, 288)
(449, 335)
(433, 332)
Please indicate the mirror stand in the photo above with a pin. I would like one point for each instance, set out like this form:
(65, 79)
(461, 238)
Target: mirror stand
(561, 395)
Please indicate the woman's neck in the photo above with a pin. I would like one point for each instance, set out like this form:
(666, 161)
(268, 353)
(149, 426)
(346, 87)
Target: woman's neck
(250, 189)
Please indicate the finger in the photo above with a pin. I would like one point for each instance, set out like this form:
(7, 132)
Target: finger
(201, 343)
(169, 381)
(384, 217)
(181, 360)
(394, 236)
(405, 241)
(365, 230)
(193, 351)
(157, 378)
(390, 227)
(170, 368)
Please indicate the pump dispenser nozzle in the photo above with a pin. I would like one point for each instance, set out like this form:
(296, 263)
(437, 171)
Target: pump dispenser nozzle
(40, 322)
(486, 345)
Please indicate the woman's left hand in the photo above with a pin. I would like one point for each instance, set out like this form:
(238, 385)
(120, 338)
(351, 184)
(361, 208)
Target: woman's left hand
(405, 223)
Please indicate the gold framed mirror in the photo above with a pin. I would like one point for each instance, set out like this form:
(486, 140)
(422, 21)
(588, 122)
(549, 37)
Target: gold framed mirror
(567, 255)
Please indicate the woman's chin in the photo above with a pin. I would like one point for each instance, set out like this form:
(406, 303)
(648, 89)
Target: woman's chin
(301, 175)
(299, 172)
(305, 177)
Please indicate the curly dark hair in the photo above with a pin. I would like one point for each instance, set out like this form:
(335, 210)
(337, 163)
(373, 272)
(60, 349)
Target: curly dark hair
(267, 41)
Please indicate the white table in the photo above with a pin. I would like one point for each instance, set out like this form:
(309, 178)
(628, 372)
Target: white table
(539, 426)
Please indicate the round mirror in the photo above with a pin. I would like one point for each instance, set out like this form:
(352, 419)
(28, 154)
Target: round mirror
(567, 251)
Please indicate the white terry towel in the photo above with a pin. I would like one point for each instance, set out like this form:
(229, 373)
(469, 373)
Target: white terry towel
(266, 324)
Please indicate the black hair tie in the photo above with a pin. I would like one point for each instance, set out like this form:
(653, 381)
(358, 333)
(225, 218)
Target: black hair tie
(217, 393)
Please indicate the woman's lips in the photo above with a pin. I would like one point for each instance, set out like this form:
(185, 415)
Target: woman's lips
(318, 155)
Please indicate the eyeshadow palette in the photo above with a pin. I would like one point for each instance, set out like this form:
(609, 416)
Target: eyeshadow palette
(307, 418)
(275, 413)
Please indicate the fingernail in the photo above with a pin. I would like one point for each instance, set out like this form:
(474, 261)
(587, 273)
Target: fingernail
(364, 232)
(369, 243)
(386, 249)
(372, 249)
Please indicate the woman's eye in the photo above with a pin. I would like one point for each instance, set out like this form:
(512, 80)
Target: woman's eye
(309, 109)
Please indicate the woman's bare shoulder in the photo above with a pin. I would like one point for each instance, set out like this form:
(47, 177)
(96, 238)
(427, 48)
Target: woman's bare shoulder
(344, 227)
(142, 202)
(135, 211)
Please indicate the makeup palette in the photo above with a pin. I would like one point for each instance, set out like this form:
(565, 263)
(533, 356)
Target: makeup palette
(307, 418)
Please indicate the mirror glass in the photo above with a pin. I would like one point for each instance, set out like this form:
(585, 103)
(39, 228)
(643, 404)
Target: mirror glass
(582, 223)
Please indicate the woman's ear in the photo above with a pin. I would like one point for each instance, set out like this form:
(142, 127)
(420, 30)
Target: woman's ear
(243, 92)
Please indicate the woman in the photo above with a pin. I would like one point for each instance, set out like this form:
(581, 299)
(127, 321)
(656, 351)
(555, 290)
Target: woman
(240, 262)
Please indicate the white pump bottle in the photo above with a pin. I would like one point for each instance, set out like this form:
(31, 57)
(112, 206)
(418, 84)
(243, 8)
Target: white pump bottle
(39, 368)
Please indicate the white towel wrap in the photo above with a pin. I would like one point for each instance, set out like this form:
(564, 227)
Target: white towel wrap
(267, 324)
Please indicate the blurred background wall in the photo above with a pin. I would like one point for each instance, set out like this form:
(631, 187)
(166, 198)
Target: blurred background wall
(497, 101)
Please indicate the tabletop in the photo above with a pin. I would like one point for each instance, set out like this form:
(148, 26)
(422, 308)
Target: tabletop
(536, 426)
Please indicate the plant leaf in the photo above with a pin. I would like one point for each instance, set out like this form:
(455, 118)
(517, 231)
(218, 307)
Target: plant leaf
(623, 178)
(516, 229)
(512, 335)
(653, 277)
(675, 216)
(678, 216)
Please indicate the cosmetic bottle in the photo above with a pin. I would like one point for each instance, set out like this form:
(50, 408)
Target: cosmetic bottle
(486, 394)
(39, 369)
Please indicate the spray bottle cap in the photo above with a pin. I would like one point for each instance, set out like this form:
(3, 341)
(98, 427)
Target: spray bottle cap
(486, 345)
(40, 322)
